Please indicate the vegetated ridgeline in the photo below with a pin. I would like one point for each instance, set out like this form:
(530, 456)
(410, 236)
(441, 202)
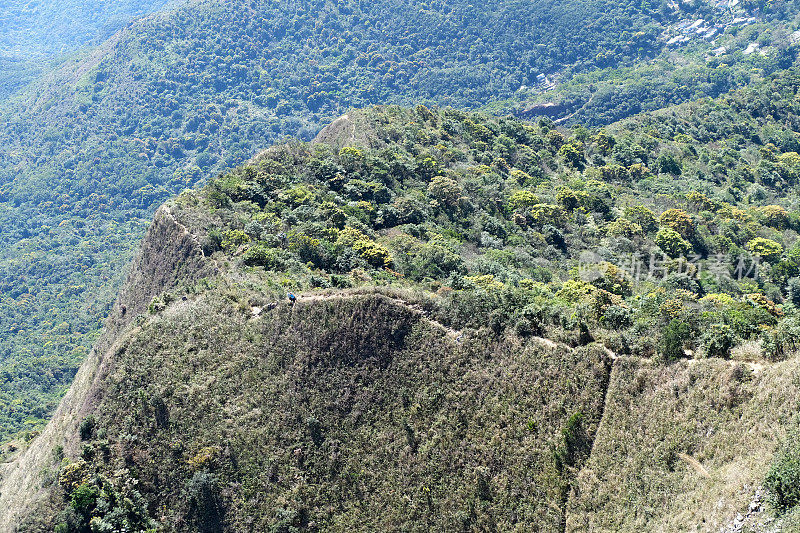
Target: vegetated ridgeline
(95, 147)
(92, 148)
(340, 411)
(452, 379)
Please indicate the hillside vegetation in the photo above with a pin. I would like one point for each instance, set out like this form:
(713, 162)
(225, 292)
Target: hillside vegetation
(93, 147)
(666, 233)
(747, 43)
(35, 34)
(456, 358)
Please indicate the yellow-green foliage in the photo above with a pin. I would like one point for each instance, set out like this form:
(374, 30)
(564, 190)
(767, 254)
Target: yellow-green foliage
(765, 303)
(672, 308)
(575, 290)
(522, 199)
(521, 177)
(204, 459)
(233, 238)
(486, 282)
(297, 195)
(789, 165)
(375, 254)
(718, 299)
(671, 242)
(73, 474)
(622, 227)
(774, 216)
(572, 153)
(639, 171)
(678, 220)
(767, 249)
(614, 172)
(643, 216)
(567, 197)
(446, 190)
(611, 278)
(701, 201)
(351, 157)
(541, 214)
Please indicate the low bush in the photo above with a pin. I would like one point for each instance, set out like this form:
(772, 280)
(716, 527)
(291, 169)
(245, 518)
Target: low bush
(783, 478)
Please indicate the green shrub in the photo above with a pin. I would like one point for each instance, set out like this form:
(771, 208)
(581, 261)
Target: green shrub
(673, 338)
(678, 220)
(84, 499)
(87, 427)
(783, 478)
(779, 342)
(622, 227)
(617, 317)
(522, 199)
(205, 506)
(643, 216)
(672, 243)
(233, 238)
(718, 340)
(575, 445)
(314, 427)
(265, 256)
(767, 249)
(541, 214)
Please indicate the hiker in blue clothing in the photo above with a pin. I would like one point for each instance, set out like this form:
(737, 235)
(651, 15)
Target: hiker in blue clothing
(292, 298)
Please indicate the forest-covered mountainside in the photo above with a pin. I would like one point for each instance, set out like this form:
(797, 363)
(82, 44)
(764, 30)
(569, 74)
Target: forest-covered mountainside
(92, 148)
(34, 34)
(500, 325)
(710, 49)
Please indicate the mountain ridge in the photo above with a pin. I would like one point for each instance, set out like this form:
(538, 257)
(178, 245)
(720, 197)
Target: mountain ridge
(229, 391)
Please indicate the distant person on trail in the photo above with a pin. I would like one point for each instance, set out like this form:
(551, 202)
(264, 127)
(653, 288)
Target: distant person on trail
(292, 298)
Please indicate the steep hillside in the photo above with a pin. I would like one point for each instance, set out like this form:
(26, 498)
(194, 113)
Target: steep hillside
(348, 413)
(688, 447)
(168, 256)
(709, 50)
(455, 358)
(249, 416)
(89, 152)
(34, 34)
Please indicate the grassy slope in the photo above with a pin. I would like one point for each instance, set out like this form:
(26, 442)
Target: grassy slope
(410, 420)
(725, 415)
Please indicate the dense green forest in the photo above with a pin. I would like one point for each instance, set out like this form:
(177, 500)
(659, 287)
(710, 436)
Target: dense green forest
(668, 232)
(89, 151)
(743, 50)
(34, 34)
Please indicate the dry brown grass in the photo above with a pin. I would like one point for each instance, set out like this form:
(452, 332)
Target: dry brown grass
(722, 420)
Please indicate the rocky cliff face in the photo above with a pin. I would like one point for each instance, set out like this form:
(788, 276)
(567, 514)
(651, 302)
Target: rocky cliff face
(169, 254)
